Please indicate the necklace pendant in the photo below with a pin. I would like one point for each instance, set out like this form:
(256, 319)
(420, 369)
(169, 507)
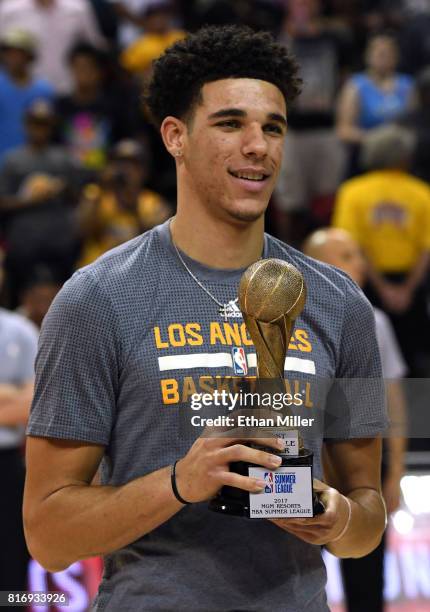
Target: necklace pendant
(223, 311)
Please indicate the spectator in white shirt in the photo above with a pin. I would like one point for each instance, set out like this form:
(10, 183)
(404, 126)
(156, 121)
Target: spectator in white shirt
(57, 25)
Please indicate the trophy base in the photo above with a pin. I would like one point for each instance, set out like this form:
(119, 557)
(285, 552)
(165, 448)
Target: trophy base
(288, 494)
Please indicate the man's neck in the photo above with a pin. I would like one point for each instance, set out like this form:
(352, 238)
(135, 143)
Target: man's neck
(217, 243)
(382, 78)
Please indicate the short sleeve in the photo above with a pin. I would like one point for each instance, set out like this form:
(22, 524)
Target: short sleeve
(357, 399)
(77, 366)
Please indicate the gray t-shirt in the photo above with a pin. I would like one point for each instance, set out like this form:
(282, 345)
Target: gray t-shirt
(122, 348)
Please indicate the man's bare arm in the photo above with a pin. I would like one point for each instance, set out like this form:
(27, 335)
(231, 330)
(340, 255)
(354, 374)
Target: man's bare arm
(66, 519)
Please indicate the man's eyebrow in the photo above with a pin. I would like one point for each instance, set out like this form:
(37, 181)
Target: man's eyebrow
(237, 112)
(278, 117)
(227, 112)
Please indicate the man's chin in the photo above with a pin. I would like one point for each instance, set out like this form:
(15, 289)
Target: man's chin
(247, 213)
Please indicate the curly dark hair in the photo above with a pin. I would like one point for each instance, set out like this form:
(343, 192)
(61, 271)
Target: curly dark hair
(211, 54)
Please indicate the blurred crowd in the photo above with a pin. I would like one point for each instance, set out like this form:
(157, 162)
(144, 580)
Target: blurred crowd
(82, 170)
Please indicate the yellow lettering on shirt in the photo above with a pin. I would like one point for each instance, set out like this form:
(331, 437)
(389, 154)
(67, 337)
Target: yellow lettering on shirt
(245, 336)
(158, 341)
(232, 334)
(292, 346)
(216, 334)
(193, 337)
(188, 388)
(303, 343)
(207, 383)
(176, 334)
(169, 391)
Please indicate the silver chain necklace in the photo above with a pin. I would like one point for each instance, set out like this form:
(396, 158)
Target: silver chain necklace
(224, 308)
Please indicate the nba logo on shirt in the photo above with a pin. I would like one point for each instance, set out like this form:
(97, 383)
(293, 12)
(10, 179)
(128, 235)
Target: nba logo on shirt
(239, 361)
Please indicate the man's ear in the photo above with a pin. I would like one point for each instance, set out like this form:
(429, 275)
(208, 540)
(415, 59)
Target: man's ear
(173, 132)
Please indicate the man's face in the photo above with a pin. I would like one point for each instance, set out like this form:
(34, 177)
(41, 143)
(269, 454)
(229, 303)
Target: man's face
(86, 72)
(381, 54)
(39, 132)
(233, 147)
(15, 60)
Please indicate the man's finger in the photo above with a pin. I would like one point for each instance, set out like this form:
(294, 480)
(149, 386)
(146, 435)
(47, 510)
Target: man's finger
(245, 483)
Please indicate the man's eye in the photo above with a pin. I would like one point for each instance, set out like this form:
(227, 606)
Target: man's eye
(231, 123)
(273, 128)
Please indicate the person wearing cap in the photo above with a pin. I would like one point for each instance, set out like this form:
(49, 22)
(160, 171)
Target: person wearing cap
(387, 211)
(120, 207)
(57, 25)
(37, 184)
(18, 89)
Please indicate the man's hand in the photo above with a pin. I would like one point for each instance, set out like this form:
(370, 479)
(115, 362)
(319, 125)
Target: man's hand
(324, 527)
(39, 187)
(205, 468)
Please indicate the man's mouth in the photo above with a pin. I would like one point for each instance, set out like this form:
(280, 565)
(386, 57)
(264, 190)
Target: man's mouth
(249, 176)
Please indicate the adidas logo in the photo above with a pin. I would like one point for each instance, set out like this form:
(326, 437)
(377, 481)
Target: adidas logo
(231, 310)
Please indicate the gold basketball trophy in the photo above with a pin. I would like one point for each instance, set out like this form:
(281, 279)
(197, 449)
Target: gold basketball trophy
(272, 294)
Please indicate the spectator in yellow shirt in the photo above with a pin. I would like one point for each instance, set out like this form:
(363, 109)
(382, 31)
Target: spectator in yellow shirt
(387, 211)
(159, 33)
(119, 208)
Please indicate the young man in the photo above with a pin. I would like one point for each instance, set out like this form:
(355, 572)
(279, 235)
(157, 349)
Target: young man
(130, 336)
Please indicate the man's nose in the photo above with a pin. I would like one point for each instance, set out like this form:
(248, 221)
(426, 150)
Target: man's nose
(254, 142)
